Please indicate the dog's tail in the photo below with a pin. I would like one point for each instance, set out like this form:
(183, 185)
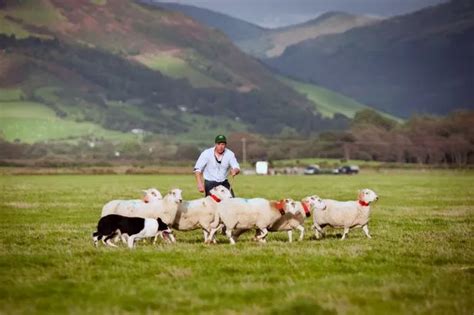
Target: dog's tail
(96, 236)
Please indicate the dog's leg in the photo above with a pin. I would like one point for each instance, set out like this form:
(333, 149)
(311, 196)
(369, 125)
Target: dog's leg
(131, 241)
(108, 240)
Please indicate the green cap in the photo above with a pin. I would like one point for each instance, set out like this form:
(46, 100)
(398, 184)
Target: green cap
(220, 139)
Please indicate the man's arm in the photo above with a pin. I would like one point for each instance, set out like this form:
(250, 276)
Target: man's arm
(198, 169)
(199, 181)
(235, 167)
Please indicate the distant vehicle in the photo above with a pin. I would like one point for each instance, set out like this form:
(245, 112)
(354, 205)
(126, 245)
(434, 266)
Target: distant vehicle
(312, 170)
(348, 169)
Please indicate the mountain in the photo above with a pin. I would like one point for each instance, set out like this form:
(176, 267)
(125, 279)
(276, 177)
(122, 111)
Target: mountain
(123, 65)
(236, 29)
(416, 63)
(277, 40)
(264, 42)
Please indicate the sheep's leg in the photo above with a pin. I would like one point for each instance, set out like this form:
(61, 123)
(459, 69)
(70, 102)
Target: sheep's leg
(257, 233)
(205, 233)
(262, 236)
(228, 232)
(318, 231)
(220, 226)
(290, 236)
(212, 232)
(346, 231)
(365, 228)
(301, 229)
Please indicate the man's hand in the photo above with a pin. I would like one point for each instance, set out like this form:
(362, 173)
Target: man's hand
(200, 187)
(234, 172)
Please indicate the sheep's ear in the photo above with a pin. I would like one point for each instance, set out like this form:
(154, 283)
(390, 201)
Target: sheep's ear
(144, 191)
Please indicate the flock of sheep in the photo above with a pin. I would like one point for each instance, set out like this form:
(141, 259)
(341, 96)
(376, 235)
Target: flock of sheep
(235, 216)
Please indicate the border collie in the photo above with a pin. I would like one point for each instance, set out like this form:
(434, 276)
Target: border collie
(113, 225)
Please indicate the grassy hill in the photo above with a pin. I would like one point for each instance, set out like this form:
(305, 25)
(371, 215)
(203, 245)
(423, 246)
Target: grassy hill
(123, 65)
(328, 102)
(415, 63)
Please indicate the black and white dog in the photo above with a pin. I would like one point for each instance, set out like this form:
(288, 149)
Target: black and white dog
(113, 225)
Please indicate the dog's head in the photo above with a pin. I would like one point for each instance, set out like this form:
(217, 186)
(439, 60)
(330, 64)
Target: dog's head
(163, 228)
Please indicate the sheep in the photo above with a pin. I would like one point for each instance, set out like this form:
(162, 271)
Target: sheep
(149, 195)
(200, 212)
(240, 213)
(165, 208)
(290, 221)
(345, 214)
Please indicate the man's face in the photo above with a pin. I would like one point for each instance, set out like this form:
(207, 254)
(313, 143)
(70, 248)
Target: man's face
(220, 147)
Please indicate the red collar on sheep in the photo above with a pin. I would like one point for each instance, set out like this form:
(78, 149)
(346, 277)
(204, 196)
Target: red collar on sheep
(306, 209)
(216, 199)
(280, 205)
(363, 203)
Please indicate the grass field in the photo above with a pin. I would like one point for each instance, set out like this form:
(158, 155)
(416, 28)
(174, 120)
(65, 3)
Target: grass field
(33, 122)
(419, 261)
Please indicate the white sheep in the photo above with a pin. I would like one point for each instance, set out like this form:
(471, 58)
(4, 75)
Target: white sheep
(290, 221)
(345, 214)
(200, 213)
(149, 195)
(245, 214)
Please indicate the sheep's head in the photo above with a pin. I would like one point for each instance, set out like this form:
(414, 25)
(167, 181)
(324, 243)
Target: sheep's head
(314, 203)
(367, 196)
(151, 194)
(221, 192)
(176, 195)
(289, 205)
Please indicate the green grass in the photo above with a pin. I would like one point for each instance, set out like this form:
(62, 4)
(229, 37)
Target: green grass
(9, 27)
(177, 68)
(35, 12)
(419, 261)
(11, 94)
(33, 122)
(328, 102)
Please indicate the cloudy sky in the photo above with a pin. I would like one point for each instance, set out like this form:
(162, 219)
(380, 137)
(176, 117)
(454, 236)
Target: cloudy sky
(274, 13)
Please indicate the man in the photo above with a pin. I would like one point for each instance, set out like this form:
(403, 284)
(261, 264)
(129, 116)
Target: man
(213, 164)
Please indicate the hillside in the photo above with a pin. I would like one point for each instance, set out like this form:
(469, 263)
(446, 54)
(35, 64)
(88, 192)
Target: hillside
(264, 42)
(122, 66)
(330, 103)
(416, 63)
(329, 23)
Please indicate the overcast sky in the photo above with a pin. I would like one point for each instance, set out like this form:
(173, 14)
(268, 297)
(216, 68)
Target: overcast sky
(274, 13)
